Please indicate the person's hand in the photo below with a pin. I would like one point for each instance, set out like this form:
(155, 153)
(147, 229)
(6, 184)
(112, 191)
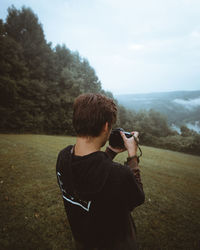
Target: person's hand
(117, 150)
(130, 143)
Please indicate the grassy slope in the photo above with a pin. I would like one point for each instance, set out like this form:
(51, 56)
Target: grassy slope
(32, 214)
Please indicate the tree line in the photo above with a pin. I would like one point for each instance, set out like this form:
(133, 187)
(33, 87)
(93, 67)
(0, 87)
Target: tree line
(38, 85)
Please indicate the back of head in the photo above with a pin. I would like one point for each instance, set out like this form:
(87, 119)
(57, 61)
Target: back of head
(91, 112)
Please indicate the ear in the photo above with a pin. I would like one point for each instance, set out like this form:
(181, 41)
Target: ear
(105, 127)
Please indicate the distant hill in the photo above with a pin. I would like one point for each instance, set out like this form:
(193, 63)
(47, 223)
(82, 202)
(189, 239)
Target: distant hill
(180, 107)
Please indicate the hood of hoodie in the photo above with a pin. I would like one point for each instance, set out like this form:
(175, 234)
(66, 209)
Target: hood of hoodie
(86, 175)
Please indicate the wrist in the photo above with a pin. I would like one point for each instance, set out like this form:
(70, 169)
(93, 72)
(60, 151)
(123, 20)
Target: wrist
(113, 149)
(132, 154)
(134, 157)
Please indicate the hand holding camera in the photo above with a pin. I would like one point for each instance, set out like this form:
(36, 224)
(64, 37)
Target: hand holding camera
(121, 140)
(130, 143)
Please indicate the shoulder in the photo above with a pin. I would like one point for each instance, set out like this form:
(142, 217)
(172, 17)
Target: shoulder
(65, 151)
(63, 155)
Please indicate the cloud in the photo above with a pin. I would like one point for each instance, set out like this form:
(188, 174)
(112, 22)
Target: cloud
(189, 104)
(136, 47)
(195, 34)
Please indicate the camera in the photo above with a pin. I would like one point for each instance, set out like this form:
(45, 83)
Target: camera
(115, 139)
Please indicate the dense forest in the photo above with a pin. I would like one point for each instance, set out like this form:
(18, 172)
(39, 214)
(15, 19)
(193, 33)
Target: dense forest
(38, 84)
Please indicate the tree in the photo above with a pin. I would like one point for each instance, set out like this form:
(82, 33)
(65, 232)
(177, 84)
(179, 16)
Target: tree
(23, 26)
(12, 71)
(185, 131)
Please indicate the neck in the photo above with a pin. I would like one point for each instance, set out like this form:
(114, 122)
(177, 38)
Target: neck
(87, 145)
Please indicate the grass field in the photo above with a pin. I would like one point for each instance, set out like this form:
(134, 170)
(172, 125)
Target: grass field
(32, 213)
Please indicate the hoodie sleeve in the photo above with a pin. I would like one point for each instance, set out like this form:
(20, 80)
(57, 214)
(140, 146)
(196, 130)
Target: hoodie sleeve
(133, 184)
(110, 153)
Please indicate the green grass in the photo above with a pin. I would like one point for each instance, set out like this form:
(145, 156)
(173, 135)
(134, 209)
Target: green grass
(32, 213)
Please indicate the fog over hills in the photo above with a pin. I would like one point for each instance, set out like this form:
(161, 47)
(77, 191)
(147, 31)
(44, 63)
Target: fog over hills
(189, 104)
(180, 107)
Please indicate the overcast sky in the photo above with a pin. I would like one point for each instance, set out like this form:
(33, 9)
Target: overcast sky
(134, 46)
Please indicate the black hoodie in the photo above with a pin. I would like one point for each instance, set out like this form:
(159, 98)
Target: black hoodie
(98, 196)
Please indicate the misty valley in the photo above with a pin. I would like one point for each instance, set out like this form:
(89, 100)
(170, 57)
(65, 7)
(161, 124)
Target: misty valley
(179, 107)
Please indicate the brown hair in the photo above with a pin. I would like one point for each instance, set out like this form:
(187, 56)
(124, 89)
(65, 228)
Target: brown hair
(91, 112)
